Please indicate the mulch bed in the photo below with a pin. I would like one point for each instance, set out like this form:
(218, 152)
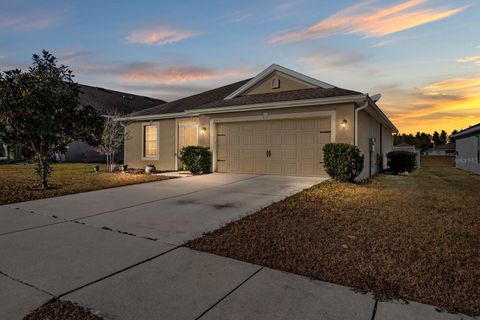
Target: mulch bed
(410, 237)
(61, 310)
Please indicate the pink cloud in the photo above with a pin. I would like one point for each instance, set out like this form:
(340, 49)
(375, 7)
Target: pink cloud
(30, 20)
(161, 35)
(173, 75)
(369, 21)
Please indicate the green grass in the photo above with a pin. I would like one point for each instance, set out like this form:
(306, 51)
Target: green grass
(412, 237)
(19, 182)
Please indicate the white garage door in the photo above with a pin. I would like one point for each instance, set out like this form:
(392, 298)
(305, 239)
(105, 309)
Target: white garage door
(283, 147)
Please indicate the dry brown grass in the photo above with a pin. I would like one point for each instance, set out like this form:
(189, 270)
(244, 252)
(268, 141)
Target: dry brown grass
(437, 161)
(411, 237)
(19, 182)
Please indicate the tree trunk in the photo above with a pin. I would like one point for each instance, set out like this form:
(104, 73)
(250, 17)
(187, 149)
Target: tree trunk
(43, 171)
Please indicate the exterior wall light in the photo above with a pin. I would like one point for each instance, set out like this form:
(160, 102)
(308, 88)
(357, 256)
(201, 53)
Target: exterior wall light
(344, 123)
(203, 130)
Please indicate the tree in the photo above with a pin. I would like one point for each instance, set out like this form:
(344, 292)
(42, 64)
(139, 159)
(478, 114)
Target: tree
(40, 112)
(450, 138)
(443, 137)
(111, 138)
(436, 138)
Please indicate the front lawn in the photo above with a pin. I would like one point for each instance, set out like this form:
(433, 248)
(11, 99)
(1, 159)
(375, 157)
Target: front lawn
(411, 237)
(19, 182)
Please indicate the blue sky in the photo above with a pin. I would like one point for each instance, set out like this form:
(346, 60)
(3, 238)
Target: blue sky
(422, 55)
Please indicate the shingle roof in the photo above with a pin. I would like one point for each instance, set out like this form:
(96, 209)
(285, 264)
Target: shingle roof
(106, 100)
(466, 132)
(448, 146)
(215, 98)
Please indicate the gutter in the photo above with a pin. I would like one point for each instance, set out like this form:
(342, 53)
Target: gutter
(257, 106)
(356, 118)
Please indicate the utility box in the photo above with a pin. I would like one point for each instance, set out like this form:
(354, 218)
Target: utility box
(371, 144)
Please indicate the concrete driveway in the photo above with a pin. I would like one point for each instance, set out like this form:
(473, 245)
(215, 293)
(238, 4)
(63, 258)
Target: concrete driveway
(118, 252)
(51, 247)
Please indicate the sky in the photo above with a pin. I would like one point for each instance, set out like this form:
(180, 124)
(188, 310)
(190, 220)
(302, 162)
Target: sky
(423, 56)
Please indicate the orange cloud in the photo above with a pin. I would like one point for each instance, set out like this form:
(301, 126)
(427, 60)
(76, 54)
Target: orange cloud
(474, 59)
(369, 21)
(174, 75)
(447, 104)
(161, 35)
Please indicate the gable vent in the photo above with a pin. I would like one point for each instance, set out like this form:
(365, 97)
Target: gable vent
(275, 83)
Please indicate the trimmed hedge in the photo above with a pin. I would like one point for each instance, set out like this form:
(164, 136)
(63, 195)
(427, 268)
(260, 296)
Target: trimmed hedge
(343, 162)
(401, 161)
(196, 159)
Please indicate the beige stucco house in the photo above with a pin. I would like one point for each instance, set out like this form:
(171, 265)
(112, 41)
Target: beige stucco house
(274, 123)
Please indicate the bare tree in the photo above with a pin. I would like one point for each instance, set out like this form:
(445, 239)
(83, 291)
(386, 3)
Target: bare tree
(112, 137)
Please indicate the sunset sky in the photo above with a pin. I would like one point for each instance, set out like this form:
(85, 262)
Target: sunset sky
(423, 56)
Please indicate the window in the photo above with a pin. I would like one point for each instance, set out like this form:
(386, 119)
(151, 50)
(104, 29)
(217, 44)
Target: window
(150, 141)
(275, 83)
(3, 151)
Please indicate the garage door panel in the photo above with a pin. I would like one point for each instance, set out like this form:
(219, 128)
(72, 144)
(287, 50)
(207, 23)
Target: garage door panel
(276, 139)
(324, 123)
(247, 154)
(290, 139)
(323, 137)
(275, 125)
(307, 138)
(260, 139)
(295, 146)
(248, 140)
(290, 154)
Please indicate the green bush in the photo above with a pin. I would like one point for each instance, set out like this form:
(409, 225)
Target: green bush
(342, 161)
(401, 161)
(196, 159)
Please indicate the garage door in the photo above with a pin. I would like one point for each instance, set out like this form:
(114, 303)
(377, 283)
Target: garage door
(282, 147)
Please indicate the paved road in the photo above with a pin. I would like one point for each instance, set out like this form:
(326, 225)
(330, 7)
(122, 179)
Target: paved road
(118, 252)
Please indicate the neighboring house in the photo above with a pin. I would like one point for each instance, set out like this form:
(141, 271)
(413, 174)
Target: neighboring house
(274, 123)
(442, 150)
(410, 148)
(468, 149)
(105, 101)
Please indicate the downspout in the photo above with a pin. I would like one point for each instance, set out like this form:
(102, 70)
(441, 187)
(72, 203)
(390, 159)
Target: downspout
(356, 118)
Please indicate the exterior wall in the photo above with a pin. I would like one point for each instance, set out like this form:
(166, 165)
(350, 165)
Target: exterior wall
(467, 154)
(387, 145)
(368, 128)
(79, 151)
(168, 148)
(166, 145)
(287, 83)
(342, 112)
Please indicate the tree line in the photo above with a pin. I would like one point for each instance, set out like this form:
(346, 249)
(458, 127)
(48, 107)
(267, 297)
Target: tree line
(424, 141)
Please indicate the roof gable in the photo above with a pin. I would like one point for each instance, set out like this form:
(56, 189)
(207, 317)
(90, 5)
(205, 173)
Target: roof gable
(305, 82)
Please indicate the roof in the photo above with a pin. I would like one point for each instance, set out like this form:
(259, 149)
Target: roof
(216, 98)
(106, 100)
(448, 146)
(466, 132)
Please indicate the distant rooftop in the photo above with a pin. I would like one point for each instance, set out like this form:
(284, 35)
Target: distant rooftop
(106, 100)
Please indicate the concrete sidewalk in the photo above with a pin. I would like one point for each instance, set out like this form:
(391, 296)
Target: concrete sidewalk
(118, 251)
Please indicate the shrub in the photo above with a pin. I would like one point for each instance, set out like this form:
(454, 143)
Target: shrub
(401, 161)
(196, 159)
(342, 161)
